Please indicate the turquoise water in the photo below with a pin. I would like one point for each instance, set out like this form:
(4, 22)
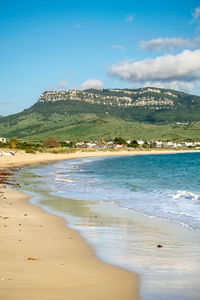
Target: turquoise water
(162, 186)
(124, 207)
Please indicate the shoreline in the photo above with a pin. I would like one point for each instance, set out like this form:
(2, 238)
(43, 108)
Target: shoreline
(58, 267)
(42, 258)
(21, 158)
(87, 276)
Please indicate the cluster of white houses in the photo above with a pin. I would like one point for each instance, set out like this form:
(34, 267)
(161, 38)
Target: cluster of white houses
(141, 143)
(156, 144)
(159, 144)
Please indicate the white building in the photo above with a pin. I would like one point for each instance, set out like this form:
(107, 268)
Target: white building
(189, 144)
(158, 144)
(170, 144)
(2, 140)
(140, 142)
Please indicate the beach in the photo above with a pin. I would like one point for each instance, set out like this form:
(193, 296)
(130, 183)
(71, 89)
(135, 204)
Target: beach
(23, 159)
(42, 258)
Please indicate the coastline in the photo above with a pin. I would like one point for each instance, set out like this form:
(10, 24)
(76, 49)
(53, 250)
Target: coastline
(42, 257)
(21, 158)
(65, 264)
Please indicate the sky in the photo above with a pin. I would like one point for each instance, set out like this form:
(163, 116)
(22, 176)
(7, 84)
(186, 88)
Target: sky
(61, 45)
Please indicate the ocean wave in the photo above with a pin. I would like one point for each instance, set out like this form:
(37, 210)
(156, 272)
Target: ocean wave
(64, 180)
(173, 212)
(186, 195)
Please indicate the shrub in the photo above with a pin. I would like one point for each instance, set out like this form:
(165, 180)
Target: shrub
(30, 150)
(13, 143)
(4, 145)
(66, 150)
(134, 144)
(51, 142)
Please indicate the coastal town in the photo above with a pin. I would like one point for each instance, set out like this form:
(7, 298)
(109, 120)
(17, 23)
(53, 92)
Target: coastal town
(138, 144)
(115, 144)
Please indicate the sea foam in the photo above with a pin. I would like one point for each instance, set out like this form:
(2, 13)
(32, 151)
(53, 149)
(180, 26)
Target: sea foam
(186, 195)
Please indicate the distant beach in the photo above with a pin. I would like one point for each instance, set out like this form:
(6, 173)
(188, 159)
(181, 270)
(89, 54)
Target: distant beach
(23, 159)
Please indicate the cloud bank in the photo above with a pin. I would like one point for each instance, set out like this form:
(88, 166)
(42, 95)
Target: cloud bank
(169, 44)
(181, 71)
(92, 83)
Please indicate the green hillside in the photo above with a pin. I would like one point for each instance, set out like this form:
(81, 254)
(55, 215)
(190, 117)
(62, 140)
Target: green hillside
(142, 114)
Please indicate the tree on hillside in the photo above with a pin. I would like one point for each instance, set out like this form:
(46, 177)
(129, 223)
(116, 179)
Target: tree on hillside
(13, 142)
(134, 144)
(51, 142)
(120, 140)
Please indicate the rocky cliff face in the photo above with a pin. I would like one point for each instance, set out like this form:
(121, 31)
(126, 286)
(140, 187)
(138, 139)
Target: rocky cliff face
(146, 97)
(151, 98)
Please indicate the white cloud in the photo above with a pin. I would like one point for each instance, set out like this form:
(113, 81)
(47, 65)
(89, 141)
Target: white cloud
(163, 44)
(60, 85)
(129, 18)
(120, 47)
(182, 71)
(92, 83)
(196, 17)
(196, 14)
(195, 43)
(169, 44)
(174, 85)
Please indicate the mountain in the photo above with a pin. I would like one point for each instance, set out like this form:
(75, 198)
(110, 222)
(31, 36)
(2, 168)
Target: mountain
(93, 114)
(152, 98)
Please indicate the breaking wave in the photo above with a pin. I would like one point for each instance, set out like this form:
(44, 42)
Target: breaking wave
(187, 195)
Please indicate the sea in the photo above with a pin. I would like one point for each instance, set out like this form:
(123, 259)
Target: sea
(140, 213)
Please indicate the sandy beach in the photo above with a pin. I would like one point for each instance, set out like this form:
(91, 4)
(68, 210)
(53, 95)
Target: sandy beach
(23, 159)
(41, 258)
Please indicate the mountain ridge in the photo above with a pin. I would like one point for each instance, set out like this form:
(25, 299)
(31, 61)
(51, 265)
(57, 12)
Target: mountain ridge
(151, 97)
(95, 114)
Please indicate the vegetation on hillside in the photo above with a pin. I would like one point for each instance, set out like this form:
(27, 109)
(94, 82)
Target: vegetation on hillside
(78, 121)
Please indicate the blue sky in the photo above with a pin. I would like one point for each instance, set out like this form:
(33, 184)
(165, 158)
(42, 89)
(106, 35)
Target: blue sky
(112, 44)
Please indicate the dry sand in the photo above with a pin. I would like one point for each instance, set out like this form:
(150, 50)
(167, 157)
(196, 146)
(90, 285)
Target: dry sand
(42, 259)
